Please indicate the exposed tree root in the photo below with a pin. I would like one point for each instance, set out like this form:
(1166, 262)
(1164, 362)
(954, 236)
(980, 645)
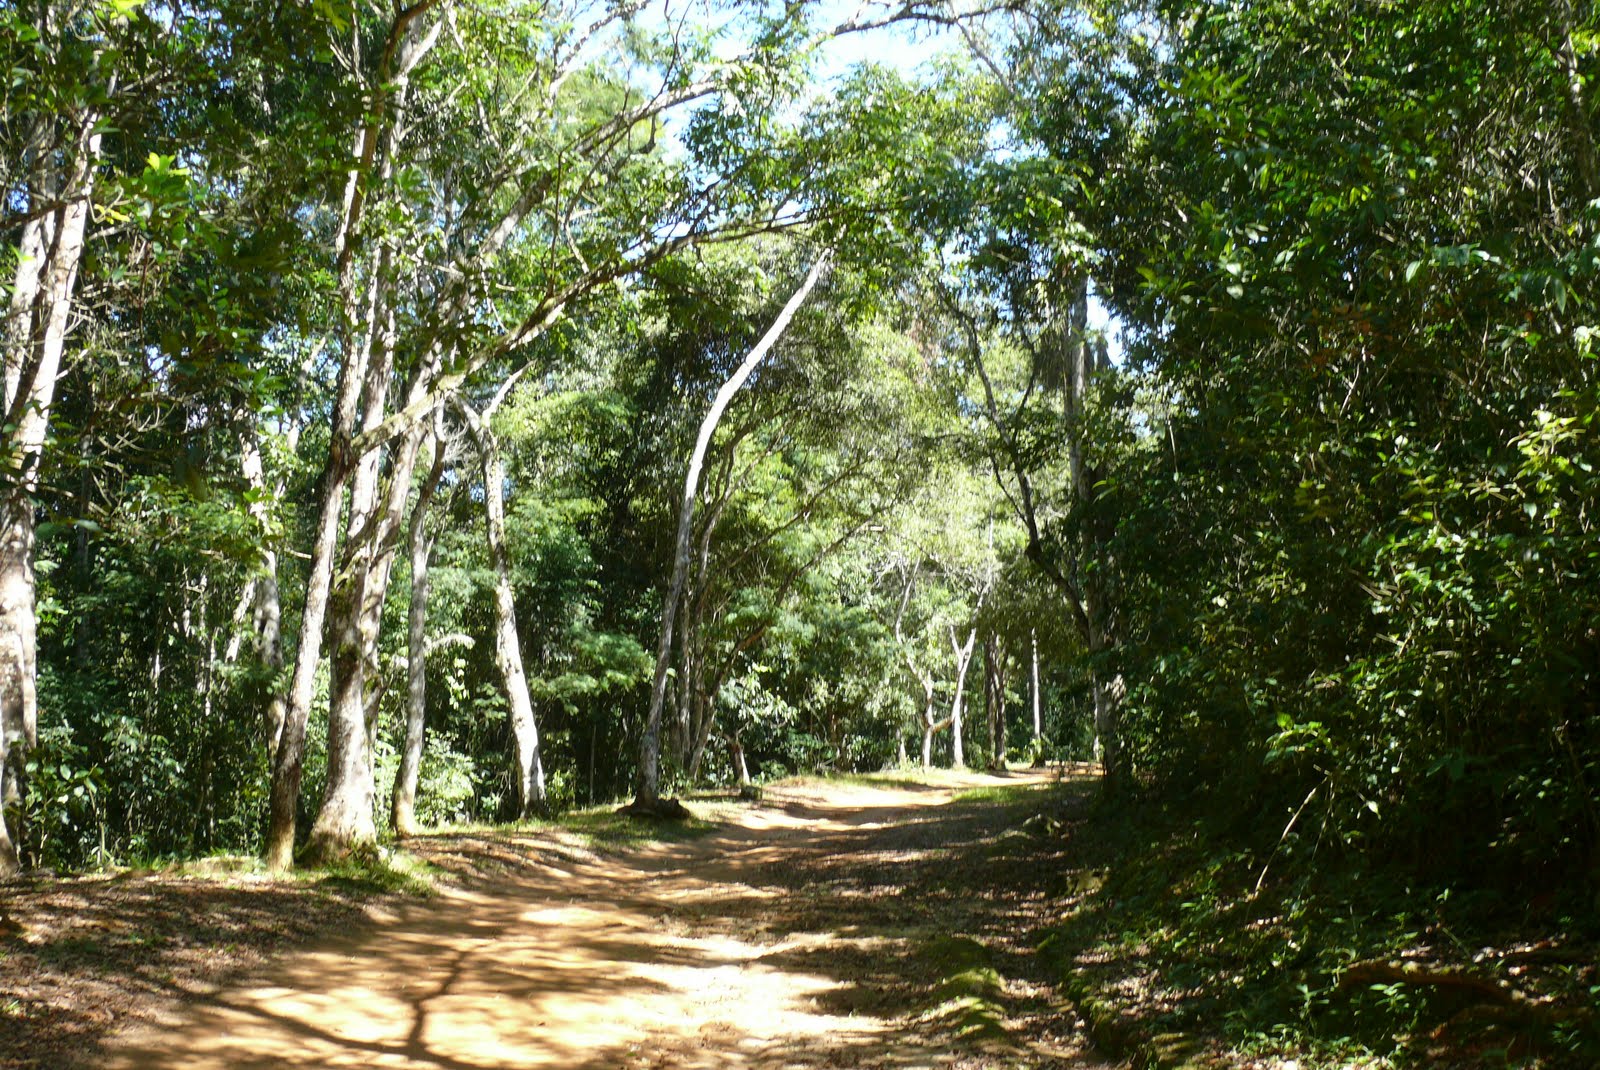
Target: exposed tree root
(660, 810)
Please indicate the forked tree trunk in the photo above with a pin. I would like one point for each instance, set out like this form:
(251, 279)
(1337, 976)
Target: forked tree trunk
(403, 811)
(34, 338)
(345, 817)
(648, 789)
(404, 50)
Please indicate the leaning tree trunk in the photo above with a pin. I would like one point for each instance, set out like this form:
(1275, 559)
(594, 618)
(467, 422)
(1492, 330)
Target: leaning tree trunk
(741, 770)
(648, 793)
(34, 338)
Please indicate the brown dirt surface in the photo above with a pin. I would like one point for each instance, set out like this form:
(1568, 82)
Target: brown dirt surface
(878, 924)
(81, 956)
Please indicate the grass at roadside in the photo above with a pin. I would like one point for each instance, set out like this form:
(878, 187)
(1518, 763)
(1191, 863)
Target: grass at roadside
(604, 827)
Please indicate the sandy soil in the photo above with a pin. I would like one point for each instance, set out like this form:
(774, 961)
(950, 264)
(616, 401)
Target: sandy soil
(812, 930)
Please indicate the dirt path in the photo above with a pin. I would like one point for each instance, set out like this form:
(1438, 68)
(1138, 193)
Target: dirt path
(831, 926)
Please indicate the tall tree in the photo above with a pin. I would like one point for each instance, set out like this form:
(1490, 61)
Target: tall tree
(649, 786)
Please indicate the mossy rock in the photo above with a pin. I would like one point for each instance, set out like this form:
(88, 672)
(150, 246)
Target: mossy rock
(969, 988)
(951, 955)
(974, 1019)
(979, 982)
(1171, 1051)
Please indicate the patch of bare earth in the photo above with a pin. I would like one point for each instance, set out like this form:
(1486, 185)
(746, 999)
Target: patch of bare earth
(875, 926)
(82, 957)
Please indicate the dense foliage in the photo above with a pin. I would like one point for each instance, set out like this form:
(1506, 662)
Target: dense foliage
(1207, 388)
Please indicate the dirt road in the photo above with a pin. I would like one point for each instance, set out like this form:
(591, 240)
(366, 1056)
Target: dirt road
(882, 926)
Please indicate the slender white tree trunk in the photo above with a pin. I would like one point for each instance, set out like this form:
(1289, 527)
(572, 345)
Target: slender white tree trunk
(34, 339)
(649, 776)
(260, 600)
(1038, 720)
(529, 764)
(963, 656)
(930, 723)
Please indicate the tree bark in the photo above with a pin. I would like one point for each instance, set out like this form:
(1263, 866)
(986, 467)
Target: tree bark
(264, 606)
(403, 811)
(930, 724)
(963, 656)
(741, 770)
(345, 817)
(529, 765)
(403, 50)
(995, 701)
(648, 791)
(34, 339)
(1038, 704)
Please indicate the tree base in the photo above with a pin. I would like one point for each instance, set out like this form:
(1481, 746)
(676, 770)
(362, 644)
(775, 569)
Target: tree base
(659, 810)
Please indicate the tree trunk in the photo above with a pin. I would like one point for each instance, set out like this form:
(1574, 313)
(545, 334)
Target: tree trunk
(345, 818)
(403, 51)
(1071, 365)
(507, 642)
(1108, 695)
(741, 771)
(403, 812)
(963, 654)
(261, 600)
(1038, 720)
(508, 647)
(995, 701)
(34, 338)
(648, 791)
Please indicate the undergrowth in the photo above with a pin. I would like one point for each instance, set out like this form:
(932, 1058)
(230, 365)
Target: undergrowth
(1338, 964)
